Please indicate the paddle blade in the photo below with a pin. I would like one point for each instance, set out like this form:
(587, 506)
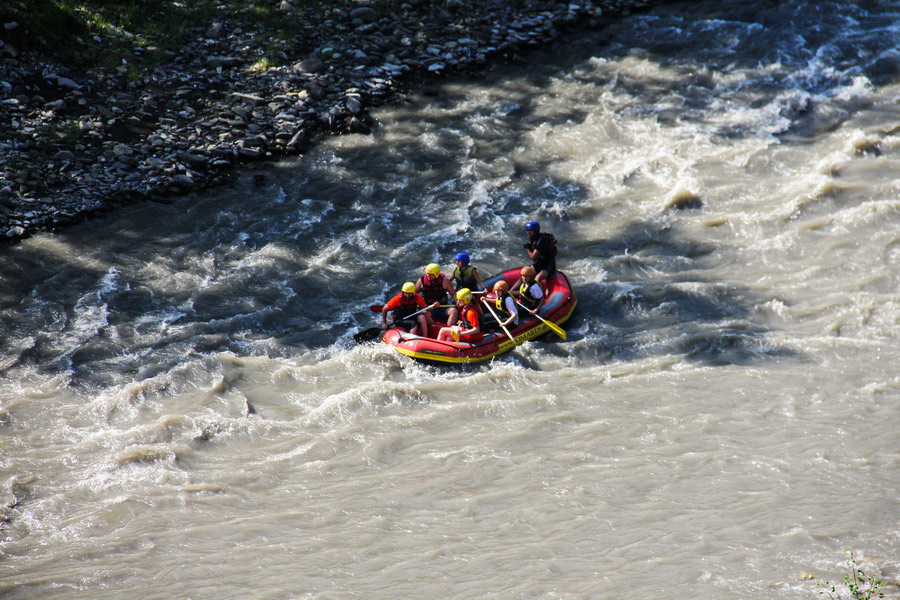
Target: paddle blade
(556, 329)
(368, 335)
(376, 307)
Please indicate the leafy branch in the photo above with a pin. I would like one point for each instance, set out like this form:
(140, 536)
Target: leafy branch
(860, 585)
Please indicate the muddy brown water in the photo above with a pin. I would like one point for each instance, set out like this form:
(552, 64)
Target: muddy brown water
(183, 413)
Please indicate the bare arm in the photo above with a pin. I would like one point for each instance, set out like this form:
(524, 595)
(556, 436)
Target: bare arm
(478, 278)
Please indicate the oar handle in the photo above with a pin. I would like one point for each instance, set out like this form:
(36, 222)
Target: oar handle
(379, 307)
(519, 302)
(499, 322)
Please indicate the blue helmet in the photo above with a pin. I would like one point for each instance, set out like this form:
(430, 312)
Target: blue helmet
(464, 258)
(533, 226)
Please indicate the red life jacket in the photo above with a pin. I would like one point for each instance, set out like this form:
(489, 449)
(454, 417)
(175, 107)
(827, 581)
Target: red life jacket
(471, 316)
(433, 289)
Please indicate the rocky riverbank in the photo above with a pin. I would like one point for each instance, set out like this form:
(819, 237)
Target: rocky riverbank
(74, 143)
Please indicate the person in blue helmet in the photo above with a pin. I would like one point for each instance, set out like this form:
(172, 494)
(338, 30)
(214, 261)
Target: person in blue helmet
(466, 275)
(541, 249)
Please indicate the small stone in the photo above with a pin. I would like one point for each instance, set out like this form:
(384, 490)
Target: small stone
(310, 65)
(67, 83)
(353, 104)
(183, 180)
(63, 155)
(315, 91)
(15, 232)
(248, 97)
(298, 140)
(364, 14)
(224, 61)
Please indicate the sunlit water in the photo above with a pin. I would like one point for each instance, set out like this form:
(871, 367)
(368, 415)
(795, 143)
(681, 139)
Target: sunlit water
(183, 413)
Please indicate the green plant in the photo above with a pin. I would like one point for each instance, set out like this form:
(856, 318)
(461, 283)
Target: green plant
(261, 65)
(860, 585)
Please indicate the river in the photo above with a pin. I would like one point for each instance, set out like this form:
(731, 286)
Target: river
(184, 414)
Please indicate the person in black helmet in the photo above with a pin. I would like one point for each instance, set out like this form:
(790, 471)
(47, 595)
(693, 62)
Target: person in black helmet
(541, 249)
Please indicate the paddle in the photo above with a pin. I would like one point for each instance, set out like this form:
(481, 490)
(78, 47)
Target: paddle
(499, 322)
(556, 328)
(378, 307)
(373, 333)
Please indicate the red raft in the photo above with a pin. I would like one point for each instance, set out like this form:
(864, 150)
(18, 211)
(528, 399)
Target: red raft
(559, 307)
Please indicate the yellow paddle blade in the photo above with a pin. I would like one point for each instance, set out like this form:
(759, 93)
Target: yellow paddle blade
(455, 333)
(556, 329)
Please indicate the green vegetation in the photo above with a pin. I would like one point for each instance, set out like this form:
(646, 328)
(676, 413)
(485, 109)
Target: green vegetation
(136, 34)
(859, 585)
(105, 33)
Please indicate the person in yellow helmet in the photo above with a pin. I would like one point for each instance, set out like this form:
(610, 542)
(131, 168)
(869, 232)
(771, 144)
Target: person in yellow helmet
(528, 291)
(434, 286)
(404, 304)
(469, 316)
(436, 289)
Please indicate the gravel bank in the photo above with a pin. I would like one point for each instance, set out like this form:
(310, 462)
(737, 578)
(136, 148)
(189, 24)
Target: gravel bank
(78, 143)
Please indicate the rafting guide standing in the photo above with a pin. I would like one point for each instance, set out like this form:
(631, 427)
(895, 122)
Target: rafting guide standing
(541, 249)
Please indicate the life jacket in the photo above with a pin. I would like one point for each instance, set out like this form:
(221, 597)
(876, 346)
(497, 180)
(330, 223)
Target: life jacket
(500, 304)
(549, 248)
(471, 316)
(465, 278)
(405, 307)
(464, 307)
(433, 289)
(525, 295)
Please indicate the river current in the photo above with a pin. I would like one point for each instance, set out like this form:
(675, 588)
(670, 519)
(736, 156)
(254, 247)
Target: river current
(184, 414)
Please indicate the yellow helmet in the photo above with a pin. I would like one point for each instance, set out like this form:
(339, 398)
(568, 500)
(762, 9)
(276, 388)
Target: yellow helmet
(433, 269)
(464, 295)
(527, 271)
(409, 287)
(501, 286)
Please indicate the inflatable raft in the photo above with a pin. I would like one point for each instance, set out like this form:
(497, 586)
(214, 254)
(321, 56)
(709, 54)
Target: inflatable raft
(559, 306)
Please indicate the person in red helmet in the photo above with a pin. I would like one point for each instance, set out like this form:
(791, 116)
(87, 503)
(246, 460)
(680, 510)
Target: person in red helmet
(404, 304)
(541, 249)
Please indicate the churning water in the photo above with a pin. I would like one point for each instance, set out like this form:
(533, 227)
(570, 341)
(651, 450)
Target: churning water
(183, 413)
